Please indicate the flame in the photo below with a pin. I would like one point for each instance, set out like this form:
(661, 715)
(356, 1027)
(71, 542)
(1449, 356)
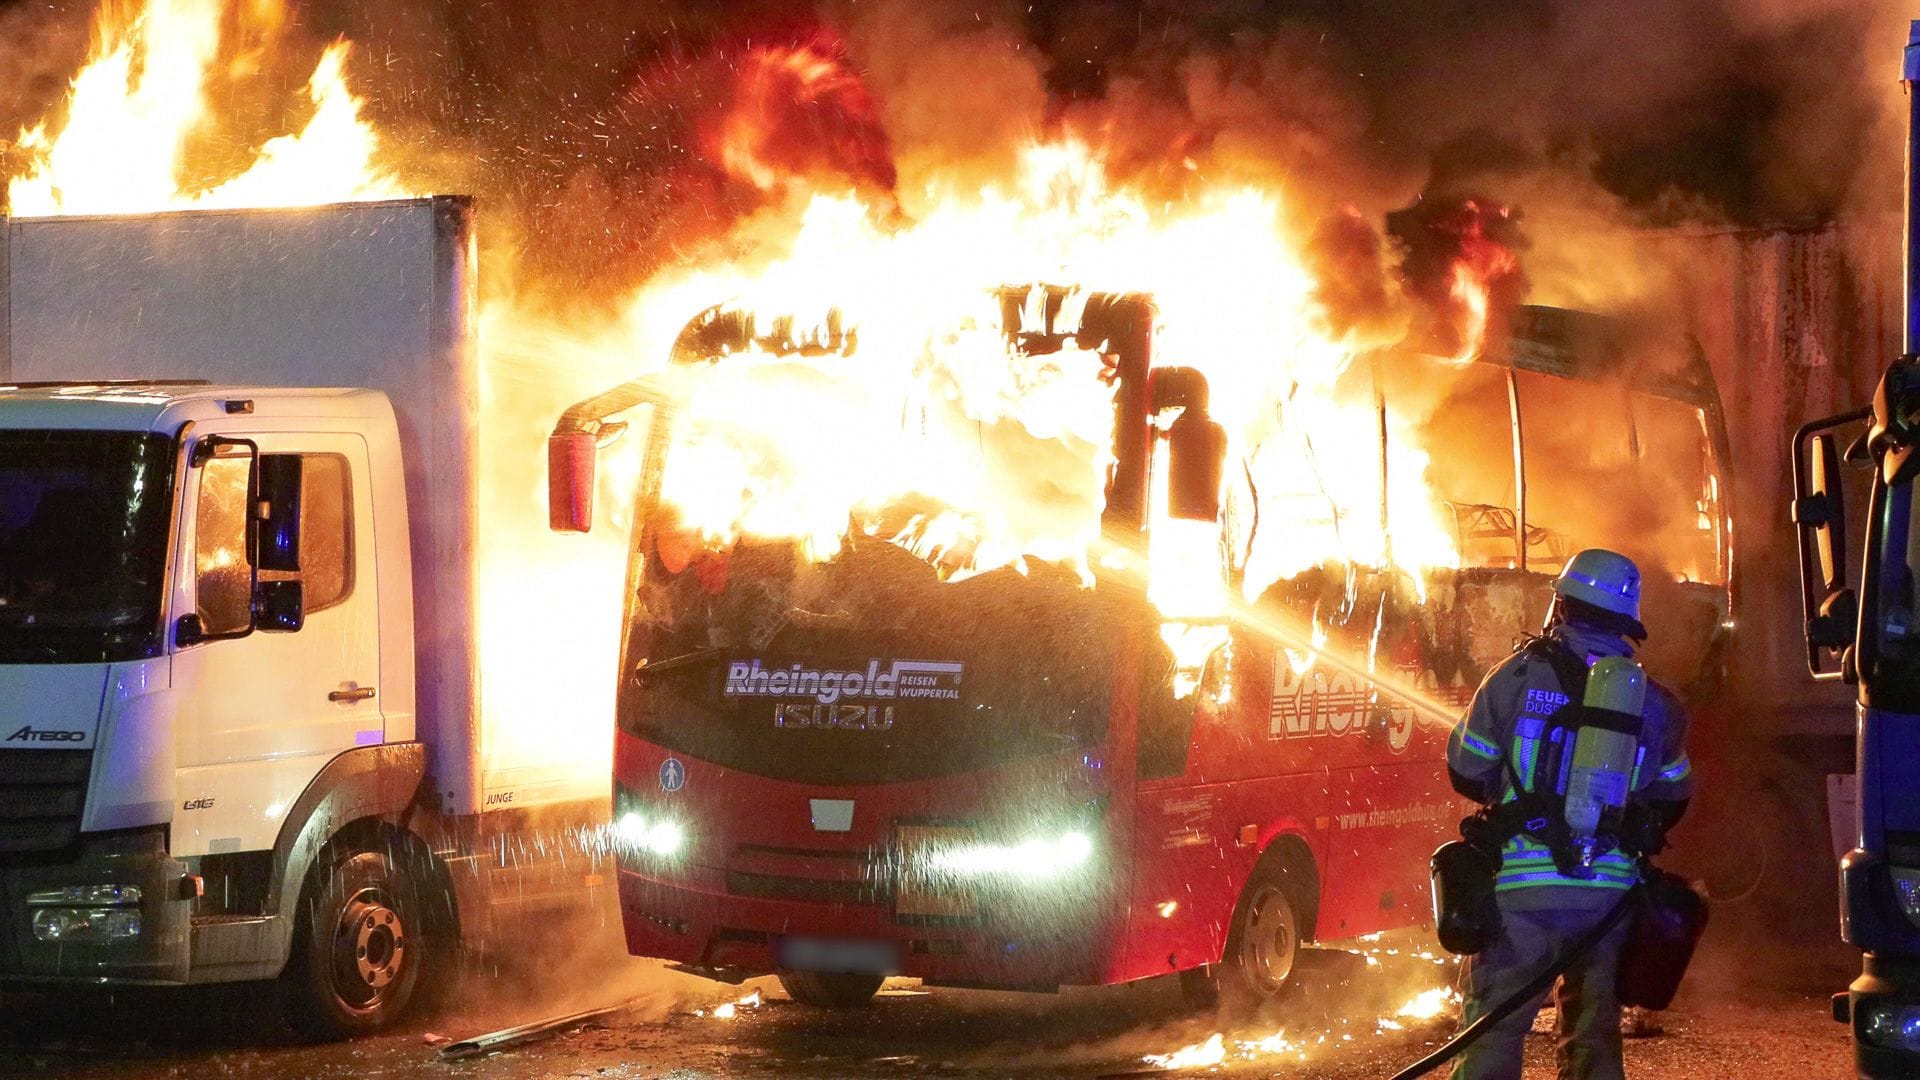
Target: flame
(1481, 264)
(1430, 1003)
(1201, 1055)
(879, 389)
(121, 148)
(1302, 660)
(731, 1009)
(330, 160)
(798, 110)
(1218, 1047)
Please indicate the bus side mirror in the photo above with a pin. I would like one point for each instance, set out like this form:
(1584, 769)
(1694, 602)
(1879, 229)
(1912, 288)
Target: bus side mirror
(1831, 606)
(279, 503)
(1196, 446)
(1196, 457)
(570, 466)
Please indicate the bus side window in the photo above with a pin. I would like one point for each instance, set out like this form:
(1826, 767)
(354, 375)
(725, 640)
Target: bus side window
(1461, 417)
(1166, 723)
(1682, 492)
(1577, 447)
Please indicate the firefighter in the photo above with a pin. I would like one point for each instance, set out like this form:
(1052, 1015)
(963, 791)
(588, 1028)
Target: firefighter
(1547, 899)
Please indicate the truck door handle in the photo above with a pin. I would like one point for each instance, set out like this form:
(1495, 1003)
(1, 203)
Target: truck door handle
(358, 693)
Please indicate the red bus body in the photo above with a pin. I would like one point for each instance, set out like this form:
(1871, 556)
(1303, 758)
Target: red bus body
(1345, 784)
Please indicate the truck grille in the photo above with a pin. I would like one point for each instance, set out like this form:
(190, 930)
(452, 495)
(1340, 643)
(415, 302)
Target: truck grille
(41, 795)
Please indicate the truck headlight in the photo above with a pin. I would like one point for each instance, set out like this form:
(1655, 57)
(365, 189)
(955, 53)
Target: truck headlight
(1891, 1025)
(86, 914)
(1036, 858)
(86, 925)
(1906, 889)
(87, 896)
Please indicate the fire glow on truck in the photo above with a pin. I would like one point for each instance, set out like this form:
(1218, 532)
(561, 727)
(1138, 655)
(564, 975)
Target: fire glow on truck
(846, 767)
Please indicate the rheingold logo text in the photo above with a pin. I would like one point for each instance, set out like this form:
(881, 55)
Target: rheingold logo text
(882, 680)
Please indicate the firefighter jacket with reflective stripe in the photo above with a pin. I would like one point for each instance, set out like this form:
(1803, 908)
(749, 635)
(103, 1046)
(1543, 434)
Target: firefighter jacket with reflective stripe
(1507, 722)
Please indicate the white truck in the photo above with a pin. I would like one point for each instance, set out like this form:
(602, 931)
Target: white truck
(241, 734)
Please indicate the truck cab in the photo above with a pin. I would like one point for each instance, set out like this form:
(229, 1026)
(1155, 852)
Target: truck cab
(243, 610)
(205, 667)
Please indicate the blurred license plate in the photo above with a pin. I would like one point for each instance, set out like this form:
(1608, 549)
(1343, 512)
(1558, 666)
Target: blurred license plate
(838, 956)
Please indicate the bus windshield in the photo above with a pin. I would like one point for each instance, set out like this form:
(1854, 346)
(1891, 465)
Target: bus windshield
(866, 667)
(83, 536)
(920, 607)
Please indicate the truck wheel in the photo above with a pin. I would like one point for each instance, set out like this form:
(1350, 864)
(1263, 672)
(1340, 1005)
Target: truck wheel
(830, 990)
(358, 949)
(1263, 945)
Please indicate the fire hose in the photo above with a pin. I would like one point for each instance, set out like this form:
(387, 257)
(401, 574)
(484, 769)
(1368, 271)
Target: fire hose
(1473, 1032)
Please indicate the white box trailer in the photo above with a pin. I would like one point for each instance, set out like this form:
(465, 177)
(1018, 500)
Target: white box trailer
(240, 699)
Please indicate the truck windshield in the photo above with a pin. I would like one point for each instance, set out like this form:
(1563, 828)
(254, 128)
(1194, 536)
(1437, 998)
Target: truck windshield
(1892, 602)
(83, 536)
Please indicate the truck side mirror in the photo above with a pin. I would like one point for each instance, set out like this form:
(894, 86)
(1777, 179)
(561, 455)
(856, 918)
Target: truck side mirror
(1829, 603)
(570, 466)
(279, 511)
(279, 606)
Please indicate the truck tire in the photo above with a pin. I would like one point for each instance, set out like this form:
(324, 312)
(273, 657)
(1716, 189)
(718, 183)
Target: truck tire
(359, 947)
(831, 990)
(1263, 944)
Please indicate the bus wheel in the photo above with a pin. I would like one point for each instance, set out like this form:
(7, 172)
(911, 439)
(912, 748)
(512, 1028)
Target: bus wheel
(830, 990)
(1263, 945)
(358, 948)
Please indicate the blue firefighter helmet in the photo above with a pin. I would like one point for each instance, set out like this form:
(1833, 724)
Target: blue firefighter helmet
(1603, 579)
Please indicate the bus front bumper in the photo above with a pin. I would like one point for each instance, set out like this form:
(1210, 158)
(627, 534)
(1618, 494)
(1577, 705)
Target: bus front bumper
(698, 921)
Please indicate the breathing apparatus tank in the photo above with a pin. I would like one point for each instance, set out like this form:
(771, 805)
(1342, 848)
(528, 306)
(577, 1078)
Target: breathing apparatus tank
(1604, 752)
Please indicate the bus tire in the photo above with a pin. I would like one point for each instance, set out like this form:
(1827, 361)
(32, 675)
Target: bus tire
(1270, 922)
(360, 949)
(829, 989)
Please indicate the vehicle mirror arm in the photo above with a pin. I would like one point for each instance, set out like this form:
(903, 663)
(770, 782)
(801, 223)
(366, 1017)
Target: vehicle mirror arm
(591, 415)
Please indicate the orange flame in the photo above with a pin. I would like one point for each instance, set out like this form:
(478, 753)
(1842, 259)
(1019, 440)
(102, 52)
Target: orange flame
(799, 111)
(789, 445)
(1482, 264)
(120, 148)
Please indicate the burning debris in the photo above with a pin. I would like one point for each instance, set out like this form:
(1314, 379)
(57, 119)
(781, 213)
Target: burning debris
(730, 1009)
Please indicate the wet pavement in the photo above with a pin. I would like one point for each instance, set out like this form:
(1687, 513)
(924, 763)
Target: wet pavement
(1346, 1021)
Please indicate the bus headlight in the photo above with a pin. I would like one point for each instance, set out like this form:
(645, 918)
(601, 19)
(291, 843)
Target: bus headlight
(638, 833)
(638, 830)
(1036, 858)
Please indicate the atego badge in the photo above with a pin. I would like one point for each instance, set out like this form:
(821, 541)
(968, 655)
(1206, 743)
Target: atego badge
(29, 733)
(849, 696)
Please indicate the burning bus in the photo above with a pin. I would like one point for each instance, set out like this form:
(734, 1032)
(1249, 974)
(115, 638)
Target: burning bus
(1008, 665)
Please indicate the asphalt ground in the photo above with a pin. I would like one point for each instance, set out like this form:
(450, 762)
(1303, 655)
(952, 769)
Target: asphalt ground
(1737, 1018)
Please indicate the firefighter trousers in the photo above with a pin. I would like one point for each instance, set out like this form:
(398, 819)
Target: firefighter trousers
(1587, 1031)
